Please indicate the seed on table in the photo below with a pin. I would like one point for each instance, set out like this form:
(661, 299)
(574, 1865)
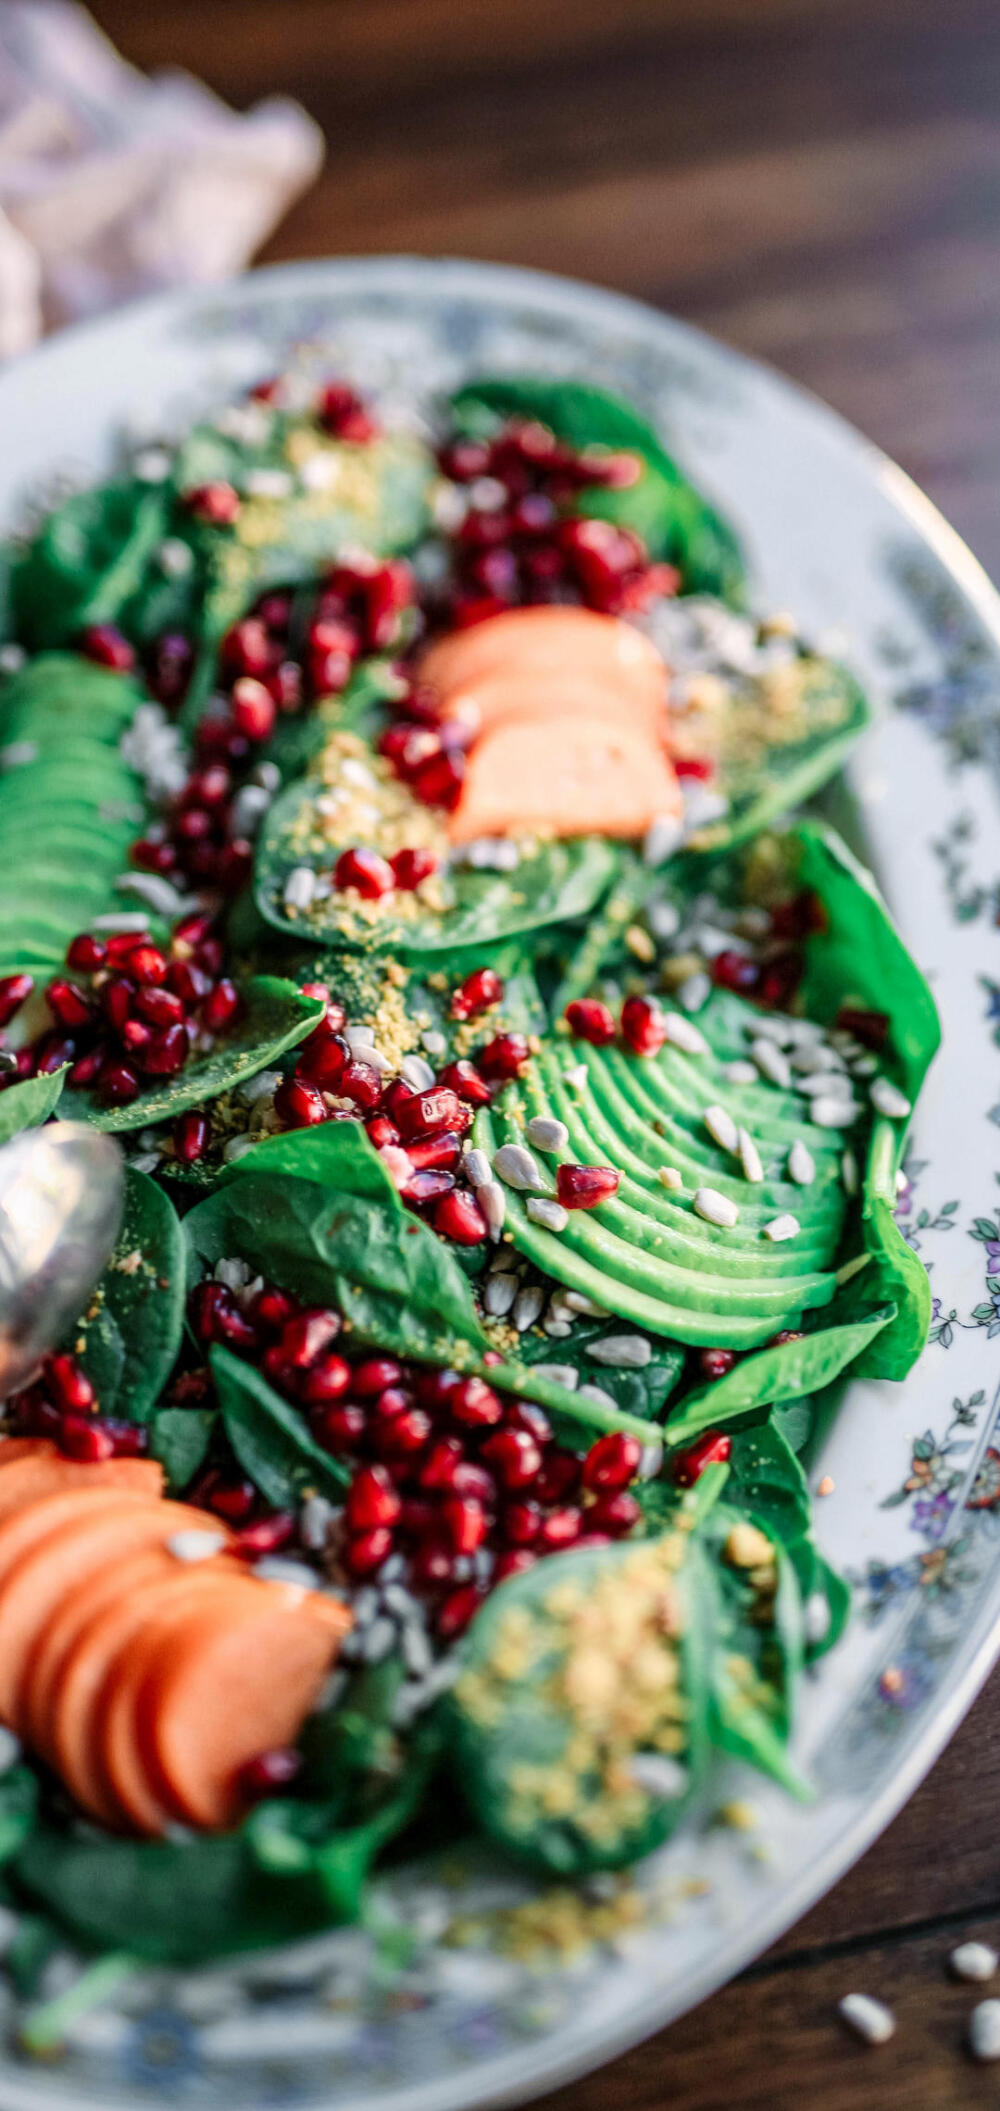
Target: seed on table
(870, 2020)
(715, 1208)
(886, 1098)
(801, 1165)
(721, 1128)
(771, 1062)
(684, 1034)
(780, 1228)
(518, 1169)
(528, 1307)
(984, 2031)
(834, 1113)
(750, 1158)
(546, 1133)
(543, 1210)
(974, 1960)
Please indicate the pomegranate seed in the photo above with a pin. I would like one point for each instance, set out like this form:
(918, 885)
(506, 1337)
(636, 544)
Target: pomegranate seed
(432, 1151)
(104, 644)
(393, 1097)
(329, 672)
(188, 982)
(614, 1514)
(381, 1131)
(411, 867)
(152, 856)
(430, 1113)
(463, 1077)
(611, 1463)
(275, 610)
(496, 571)
(253, 708)
(193, 825)
(437, 1473)
(271, 1307)
(402, 1435)
(643, 1026)
(217, 504)
(466, 1523)
(735, 971)
(433, 1565)
(388, 595)
(371, 1500)
(69, 1004)
(285, 685)
(13, 991)
(370, 875)
(585, 1186)
(604, 557)
(167, 1051)
(129, 1441)
(485, 531)
(146, 963)
(361, 1084)
(52, 1052)
(210, 787)
(439, 781)
(268, 1535)
(534, 514)
(560, 1528)
(716, 1362)
(375, 1375)
(118, 1085)
(474, 1404)
(589, 1020)
(326, 1380)
(470, 1479)
(221, 1007)
(71, 1386)
(417, 1516)
(459, 1217)
(299, 1105)
(246, 648)
(559, 1477)
(342, 414)
(341, 1427)
(86, 1071)
(85, 1440)
(84, 952)
(305, 1337)
(477, 993)
(122, 943)
(407, 744)
(505, 1056)
(456, 1611)
(523, 1414)
(514, 1563)
(158, 1007)
(713, 1449)
(514, 1457)
(521, 1522)
(780, 979)
(800, 917)
(463, 460)
(323, 1059)
(868, 1026)
(190, 1137)
(169, 661)
(233, 1500)
(269, 1773)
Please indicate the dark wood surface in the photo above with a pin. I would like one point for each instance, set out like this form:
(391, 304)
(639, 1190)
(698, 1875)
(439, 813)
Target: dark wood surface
(817, 181)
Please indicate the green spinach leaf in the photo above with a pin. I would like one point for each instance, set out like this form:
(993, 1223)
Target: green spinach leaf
(270, 1437)
(137, 1314)
(180, 1438)
(25, 1105)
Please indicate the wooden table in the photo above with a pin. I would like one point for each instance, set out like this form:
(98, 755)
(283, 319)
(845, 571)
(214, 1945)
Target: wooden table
(818, 181)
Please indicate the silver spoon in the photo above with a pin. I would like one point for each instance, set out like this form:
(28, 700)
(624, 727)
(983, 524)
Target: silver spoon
(61, 1196)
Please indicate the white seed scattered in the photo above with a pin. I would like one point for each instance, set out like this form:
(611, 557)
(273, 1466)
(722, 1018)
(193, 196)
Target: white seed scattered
(813, 1055)
(269, 483)
(801, 1165)
(984, 2031)
(662, 838)
(316, 1520)
(683, 1034)
(518, 1169)
(715, 1208)
(418, 1656)
(477, 1168)
(18, 753)
(869, 2019)
(974, 1960)
(145, 1161)
(816, 1618)
(232, 1272)
(741, 1072)
(774, 1026)
(557, 1327)
(280, 1568)
(237, 1147)
(721, 1128)
(659, 1775)
(434, 1043)
(528, 1307)
(834, 1113)
(564, 1374)
(886, 1098)
(577, 1076)
(355, 772)
(175, 558)
(248, 809)
(597, 1394)
(378, 1640)
(772, 1063)
(664, 920)
(695, 991)
(863, 1065)
(417, 1073)
(299, 888)
(578, 1301)
(493, 1203)
(499, 1294)
(195, 1546)
(750, 1158)
(781, 1228)
(546, 1133)
(158, 893)
(650, 1462)
(622, 1352)
(817, 1082)
(669, 1176)
(544, 1210)
(849, 1173)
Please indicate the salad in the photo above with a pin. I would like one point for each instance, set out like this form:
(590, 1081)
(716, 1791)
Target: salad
(395, 856)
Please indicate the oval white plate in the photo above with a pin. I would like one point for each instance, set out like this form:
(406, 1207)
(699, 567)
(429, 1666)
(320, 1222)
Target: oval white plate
(421, 2011)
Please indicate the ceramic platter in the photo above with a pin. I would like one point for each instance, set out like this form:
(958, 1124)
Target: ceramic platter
(431, 2006)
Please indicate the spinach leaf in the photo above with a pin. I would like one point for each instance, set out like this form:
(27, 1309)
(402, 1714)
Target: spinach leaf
(767, 1480)
(23, 1106)
(642, 1393)
(782, 1373)
(88, 560)
(756, 1662)
(270, 1437)
(136, 1316)
(276, 1017)
(180, 1438)
(18, 1810)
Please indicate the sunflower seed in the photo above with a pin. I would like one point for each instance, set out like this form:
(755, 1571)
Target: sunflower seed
(493, 1203)
(661, 839)
(299, 888)
(476, 1166)
(564, 1374)
(518, 1169)
(715, 1208)
(683, 1034)
(771, 1062)
(849, 1173)
(195, 1546)
(984, 2031)
(780, 1228)
(721, 1128)
(416, 1072)
(597, 1394)
(974, 1960)
(544, 1210)
(175, 558)
(695, 992)
(816, 1618)
(664, 919)
(669, 1176)
(579, 1302)
(237, 1147)
(378, 1640)
(833, 1083)
(741, 1073)
(834, 1113)
(886, 1098)
(774, 1027)
(868, 2019)
(528, 1307)
(577, 1076)
(801, 1164)
(750, 1158)
(546, 1133)
(622, 1352)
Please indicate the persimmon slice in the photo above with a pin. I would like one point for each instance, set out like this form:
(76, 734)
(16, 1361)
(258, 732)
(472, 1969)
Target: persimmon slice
(44, 1471)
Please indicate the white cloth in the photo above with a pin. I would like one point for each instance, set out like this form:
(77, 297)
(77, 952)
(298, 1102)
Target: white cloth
(113, 184)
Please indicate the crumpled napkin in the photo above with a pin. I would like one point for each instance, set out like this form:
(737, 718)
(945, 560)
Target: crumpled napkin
(113, 184)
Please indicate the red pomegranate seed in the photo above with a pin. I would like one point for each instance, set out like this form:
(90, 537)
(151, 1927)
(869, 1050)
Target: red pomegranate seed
(466, 1523)
(780, 979)
(463, 1077)
(523, 1414)
(285, 685)
(152, 856)
(477, 993)
(222, 1007)
(305, 1337)
(503, 1057)
(381, 1131)
(361, 1084)
(611, 1463)
(233, 1500)
(217, 504)
(193, 825)
(247, 648)
(268, 1535)
(275, 610)
(868, 1026)
(323, 1059)
(411, 867)
(716, 1362)
(387, 597)
(643, 1026)
(521, 1523)
(560, 1528)
(340, 1427)
(434, 1151)
(129, 1441)
(514, 1563)
(70, 1005)
(437, 1474)
(215, 1316)
(514, 1457)
(463, 460)
(371, 1500)
(209, 787)
(52, 1051)
(342, 414)
(735, 971)
(456, 1611)
(416, 1517)
(407, 744)
(496, 571)
(87, 1069)
(190, 1137)
(122, 943)
(235, 865)
(13, 991)
(432, 1566)
(167, 1051)
(439, 781)
(614, 1514)
(402, 1435)
(253, 708)
(71, 1386)
(800, 917)
(713, 1449)
(585, 1186)
(169, 661)
(458, 1216)
(424, 1114)
(146, 963)
(187, 981)
(370, 875)
(374, 1376)
(158, 1007)
(271, 1306)
(367, 1551)
(269, 1773)
(83, 952)
(118, 1085)
(326, 1380)
(559, 1477)
(104, 644)
(589, 1020)
(604, 557)
(474, 1404)
(298, 1104)
(86, 1440)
